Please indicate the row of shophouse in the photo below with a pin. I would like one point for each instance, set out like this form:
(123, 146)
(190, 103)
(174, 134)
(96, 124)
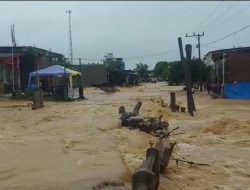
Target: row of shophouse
(15, 67)
(231, 69)
(28, 59)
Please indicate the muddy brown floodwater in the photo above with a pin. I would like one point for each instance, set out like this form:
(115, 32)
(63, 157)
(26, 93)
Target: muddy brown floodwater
(80, 145)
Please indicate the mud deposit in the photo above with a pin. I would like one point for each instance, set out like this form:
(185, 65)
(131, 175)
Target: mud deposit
(80, 145)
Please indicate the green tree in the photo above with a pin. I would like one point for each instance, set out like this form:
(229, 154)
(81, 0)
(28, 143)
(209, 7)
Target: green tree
(208, 73)
(198, 69)
(176, 72)
(142, 69)
(162, 70)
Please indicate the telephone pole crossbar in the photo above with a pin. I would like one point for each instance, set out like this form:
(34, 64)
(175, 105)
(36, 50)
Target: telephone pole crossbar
(198, 37)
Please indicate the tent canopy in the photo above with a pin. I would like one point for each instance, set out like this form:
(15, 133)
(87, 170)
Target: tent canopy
(53, 71)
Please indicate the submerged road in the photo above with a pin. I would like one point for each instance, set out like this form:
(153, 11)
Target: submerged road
(80, 145)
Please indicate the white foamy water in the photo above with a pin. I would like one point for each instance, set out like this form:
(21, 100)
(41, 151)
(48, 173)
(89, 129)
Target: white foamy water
(80, 145)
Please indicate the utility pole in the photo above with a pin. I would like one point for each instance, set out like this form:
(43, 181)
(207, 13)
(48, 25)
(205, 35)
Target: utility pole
(37, 66)
(13, 44)
(81, 95)
(198, 36)
(187, 74)
(80, 63)
(70, 38)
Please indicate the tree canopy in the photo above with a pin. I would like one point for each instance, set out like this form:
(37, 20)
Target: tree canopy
(162, 70)
(142, 69)
(173, 71)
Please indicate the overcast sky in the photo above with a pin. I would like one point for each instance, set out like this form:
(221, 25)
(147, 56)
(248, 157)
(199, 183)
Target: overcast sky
(127, 29)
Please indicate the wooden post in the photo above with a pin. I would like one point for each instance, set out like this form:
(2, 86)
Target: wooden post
(41, 98)
(181, 49)
(157, 164)
(37, 99)
(191, 105)
(183, 109)
(166, 156)
(172, 101)
(147, 176)
(187, 74)
(137, 108)
(143, 179)
(79, 78)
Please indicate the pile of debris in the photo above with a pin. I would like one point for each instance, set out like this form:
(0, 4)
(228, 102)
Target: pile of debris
(147, 176)
(158, 155)
(146, 124)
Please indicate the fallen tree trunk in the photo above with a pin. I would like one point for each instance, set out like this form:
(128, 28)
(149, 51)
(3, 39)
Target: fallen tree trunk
(147, 125)
(147, 176)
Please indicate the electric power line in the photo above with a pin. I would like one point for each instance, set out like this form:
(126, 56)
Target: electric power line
(151, 55)
(227, 19)
(134, 57)
(209, 15)
(220, 16)
(199, 45)
(170, 51)
(227, 36)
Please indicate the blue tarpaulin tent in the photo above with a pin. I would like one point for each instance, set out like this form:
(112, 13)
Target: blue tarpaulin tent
(54, 70)
(240, 90)
(57, 71)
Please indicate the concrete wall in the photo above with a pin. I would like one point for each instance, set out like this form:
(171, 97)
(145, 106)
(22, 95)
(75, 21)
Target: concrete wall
(238, 67)
(30, 59)
(92, 74)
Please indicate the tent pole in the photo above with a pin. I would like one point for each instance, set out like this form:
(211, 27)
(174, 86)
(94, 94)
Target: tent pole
(223, 74)
(37, 67)
(13, 69)
(19, 74)
(65, 83)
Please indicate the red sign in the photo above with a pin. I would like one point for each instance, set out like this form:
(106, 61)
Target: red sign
(8, 60)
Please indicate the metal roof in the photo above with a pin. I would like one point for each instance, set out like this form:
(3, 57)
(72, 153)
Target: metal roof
(27, 49)
(8, 54)
(239, 49)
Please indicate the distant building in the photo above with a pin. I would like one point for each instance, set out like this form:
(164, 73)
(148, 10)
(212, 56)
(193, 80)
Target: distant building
(124, 77)
(98, 74)
(113, 63)
(92, 74)
(231, 67)
(26, 60)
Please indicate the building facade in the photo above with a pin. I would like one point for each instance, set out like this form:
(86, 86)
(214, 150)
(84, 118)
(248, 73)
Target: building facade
(231, 68)
(113, 63)
(92, 74)
(25, 60)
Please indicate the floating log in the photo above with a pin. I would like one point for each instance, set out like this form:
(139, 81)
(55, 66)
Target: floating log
(147, 176)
